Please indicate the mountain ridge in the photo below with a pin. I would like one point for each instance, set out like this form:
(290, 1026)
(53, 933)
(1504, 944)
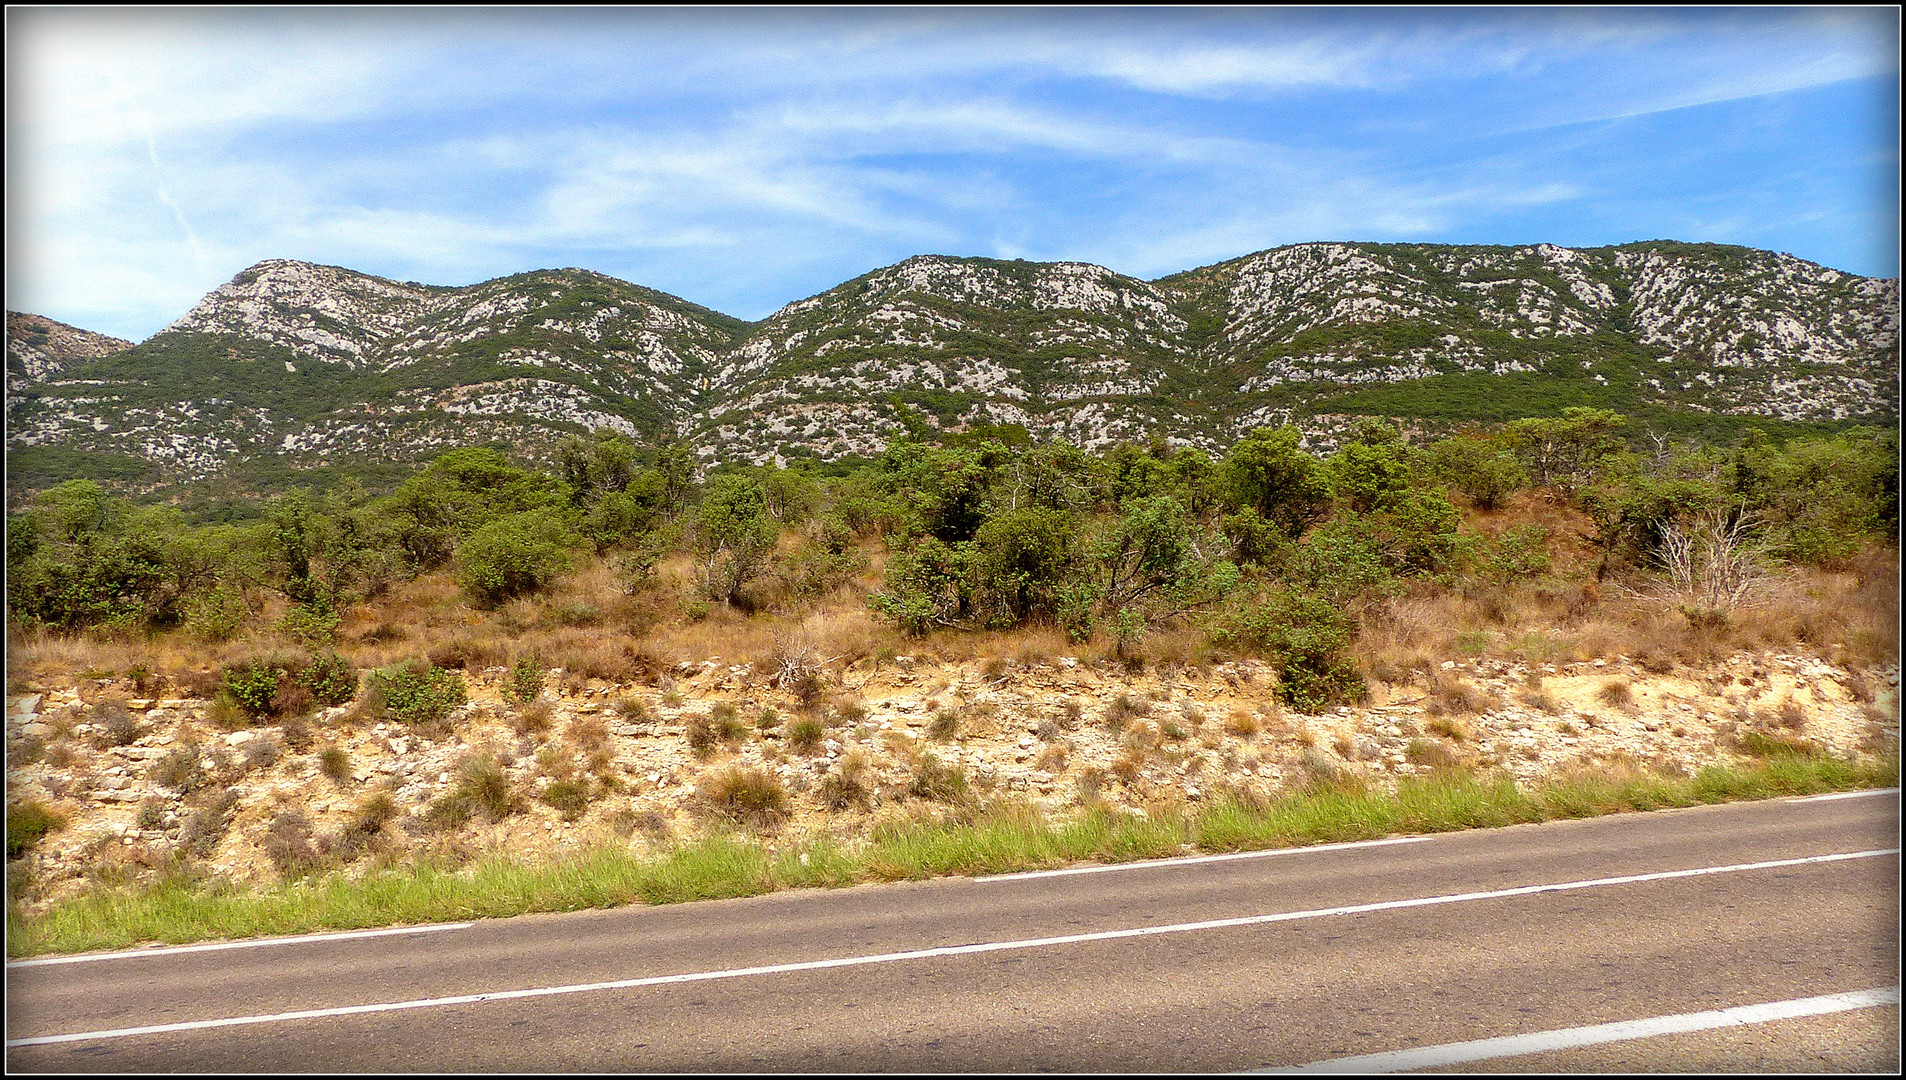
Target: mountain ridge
(300, 362)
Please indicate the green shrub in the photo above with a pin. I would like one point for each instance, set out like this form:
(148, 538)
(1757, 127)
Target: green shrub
(252, 683)
(285, 685)
(28, 822)
(331, 678)
(569, 797)
(513, 556)
(1308, 637)
(526, 679)
(414, 692)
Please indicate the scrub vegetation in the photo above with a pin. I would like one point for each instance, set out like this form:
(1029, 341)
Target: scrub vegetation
(1563, 538)
(981, 839)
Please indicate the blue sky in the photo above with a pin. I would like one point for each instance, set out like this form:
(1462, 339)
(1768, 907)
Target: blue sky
(744, 159)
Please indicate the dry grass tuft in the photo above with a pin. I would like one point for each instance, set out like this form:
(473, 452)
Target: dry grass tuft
(1616, 693)
(1455, 697)
(754, 798)
(846, 786)
(1789, 715)
(945, 724)
(533, 718)
(1540, 699)
(1124, 709)
(1430, 754)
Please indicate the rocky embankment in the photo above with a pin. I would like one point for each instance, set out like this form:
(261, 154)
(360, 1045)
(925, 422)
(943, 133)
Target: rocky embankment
(137, 780)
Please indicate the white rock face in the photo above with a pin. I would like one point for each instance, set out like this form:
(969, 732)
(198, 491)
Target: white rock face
(1066, 350)
(317, 312)
(39, 347)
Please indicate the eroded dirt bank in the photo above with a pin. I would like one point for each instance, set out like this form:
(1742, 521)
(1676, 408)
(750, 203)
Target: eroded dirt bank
(596, 762)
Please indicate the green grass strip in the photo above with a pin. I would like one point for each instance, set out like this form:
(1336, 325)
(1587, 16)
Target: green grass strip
(990, 841)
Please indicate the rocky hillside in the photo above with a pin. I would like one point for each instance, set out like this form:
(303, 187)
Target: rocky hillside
(137, 779)
(1064, 349)
(1462, 331)
(39, 348)
(304, 363)
(291, 364)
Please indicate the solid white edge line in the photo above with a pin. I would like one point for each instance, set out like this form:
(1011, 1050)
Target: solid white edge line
(1430, 1057)
(1188, 860)
(255, 943)
(1142, 864)
(945, 950)
(1849, 795)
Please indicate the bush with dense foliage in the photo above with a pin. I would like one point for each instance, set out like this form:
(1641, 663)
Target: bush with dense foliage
(414, 692)
(1266, 546)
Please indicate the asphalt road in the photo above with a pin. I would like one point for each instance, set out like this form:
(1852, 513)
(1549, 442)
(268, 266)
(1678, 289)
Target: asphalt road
(1437, 954)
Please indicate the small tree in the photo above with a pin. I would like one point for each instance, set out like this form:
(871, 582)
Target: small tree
(733, 535)
(1022, 558)
(1712, 565)
(1268, 472)
(1369, 477)
(1150, 551)
(515, 555)
(1479, 469)
(1564, 451)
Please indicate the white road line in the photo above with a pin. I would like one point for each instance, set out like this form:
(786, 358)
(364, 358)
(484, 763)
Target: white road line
(1147, 864)
(927, 954)
(1849, 795)
(253, 944)
(1430, 1057)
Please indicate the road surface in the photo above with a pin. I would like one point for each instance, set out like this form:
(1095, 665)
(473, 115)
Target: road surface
(1305, 957)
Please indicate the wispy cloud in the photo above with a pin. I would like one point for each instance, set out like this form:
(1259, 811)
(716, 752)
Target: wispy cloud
(748, 157)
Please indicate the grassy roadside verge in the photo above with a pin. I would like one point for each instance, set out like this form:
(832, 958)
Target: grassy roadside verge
(985, 841)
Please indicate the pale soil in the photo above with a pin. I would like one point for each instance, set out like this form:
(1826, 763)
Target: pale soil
(1206, 729)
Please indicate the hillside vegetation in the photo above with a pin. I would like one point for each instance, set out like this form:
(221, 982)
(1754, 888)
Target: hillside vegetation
(292, 367)
(492, 657)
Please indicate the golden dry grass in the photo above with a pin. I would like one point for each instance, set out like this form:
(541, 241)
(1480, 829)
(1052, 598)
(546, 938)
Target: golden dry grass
(593, 628)
(1850, 613)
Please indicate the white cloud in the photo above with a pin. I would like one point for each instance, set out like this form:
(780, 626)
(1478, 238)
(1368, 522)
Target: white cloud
(751, 151)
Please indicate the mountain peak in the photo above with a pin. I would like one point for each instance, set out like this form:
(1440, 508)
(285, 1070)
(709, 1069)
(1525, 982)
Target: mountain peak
(40, 348)
(300, 362)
